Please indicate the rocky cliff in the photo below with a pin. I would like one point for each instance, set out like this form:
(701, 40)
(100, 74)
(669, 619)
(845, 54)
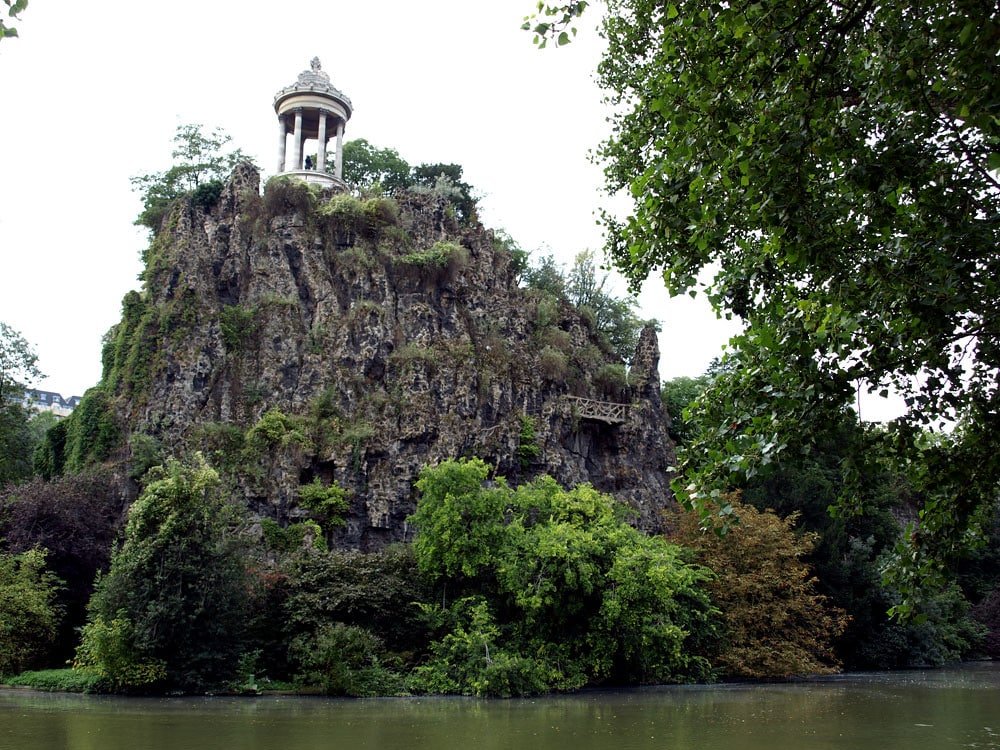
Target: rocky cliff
(297, 335)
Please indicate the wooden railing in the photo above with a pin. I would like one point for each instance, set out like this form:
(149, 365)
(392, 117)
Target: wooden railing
(601, 411)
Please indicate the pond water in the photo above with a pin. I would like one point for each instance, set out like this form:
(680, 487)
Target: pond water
(919, 710)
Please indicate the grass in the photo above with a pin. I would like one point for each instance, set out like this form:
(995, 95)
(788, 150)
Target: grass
(55, 680)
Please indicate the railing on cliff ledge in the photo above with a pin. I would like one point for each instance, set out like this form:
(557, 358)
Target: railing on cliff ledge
(601, 411)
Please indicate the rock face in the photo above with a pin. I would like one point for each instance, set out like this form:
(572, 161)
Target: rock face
(388, 335)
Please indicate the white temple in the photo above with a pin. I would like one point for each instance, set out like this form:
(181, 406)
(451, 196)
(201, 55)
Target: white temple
(311, 109)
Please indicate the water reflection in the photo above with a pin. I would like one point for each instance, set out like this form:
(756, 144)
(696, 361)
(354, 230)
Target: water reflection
(916, 710)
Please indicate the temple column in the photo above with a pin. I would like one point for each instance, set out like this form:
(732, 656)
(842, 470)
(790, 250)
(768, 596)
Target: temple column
(282, 138)
(340, 150)
(297, 147)
(321, 146)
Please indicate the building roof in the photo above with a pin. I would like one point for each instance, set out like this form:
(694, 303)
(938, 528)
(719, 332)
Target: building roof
(314, 80)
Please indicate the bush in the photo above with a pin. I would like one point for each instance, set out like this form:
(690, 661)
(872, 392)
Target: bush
(327, 503)
(527, 442)
(207, 194)
(343, 660)
(75, 519)
(552, 364)
(987, 613)
(237, 326)
(29, 612)
(284, 195)
(378, 591)
(176, 592)
(289, 538)
(111, 659)
(92, 431)
(777, 624)
(555, 589)
(611, 380)
(57, 681)
(441, 255)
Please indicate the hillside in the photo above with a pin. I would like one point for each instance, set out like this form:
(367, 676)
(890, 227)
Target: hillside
(300, 335)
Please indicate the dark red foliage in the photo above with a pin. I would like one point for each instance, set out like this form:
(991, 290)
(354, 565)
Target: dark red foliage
(76, 518)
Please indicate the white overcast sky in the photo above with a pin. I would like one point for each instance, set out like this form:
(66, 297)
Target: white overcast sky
(92, 94)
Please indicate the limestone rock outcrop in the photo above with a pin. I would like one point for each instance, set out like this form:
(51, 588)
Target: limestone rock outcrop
(391, 335)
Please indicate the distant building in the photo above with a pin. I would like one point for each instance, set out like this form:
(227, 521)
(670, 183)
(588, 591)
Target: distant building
(50, 401)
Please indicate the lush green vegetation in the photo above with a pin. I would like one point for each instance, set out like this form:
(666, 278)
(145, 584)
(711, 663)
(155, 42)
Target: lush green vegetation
(504, 591)
(612, 317)
(14, 9)
(201, 162)
(550, 589)
(172, 606)
(851, 550)
(367, 167)
(833, 168)
(29, 610)
(17, 439)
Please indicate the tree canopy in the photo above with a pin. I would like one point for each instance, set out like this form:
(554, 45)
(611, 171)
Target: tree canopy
(551, 589)
(366, 165)
(201, 162)
(17, 371)
(832, 168)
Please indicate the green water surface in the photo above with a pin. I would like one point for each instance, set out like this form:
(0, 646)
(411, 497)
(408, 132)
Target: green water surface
(921, 710)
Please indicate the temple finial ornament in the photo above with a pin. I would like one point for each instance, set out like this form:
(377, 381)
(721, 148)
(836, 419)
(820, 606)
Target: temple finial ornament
(314, 64)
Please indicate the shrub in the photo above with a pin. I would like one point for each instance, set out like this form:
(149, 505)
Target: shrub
(289, 538)
(111, 659)
(56, 680)
(343, 660)
(552, 364)
(75, 518)
(527, 442)
(378, 591)
(556, 338)
(237, 326)
(207, 194)
(987, 613)
(176, 592)
(611, 380)
(275, 429)
(777, 624)
(29, 612)
(441, 255)
(92, 431)
(379, 213)
(552, 589)
(283, 195)
(327, 503)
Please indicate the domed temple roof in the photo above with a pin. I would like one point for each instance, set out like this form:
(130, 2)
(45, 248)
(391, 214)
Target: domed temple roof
(313, 81)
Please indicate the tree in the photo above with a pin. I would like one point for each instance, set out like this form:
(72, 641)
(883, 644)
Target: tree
(777, 624)
(447, 179)
(173, 604)
(552, 22)
(201, 162)
(75, 519)
(366, 165)
(834, 166)
(677, 395)
(17, 438)
(29, 612)
(14, 9)
(551, 588)
(612, 318)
